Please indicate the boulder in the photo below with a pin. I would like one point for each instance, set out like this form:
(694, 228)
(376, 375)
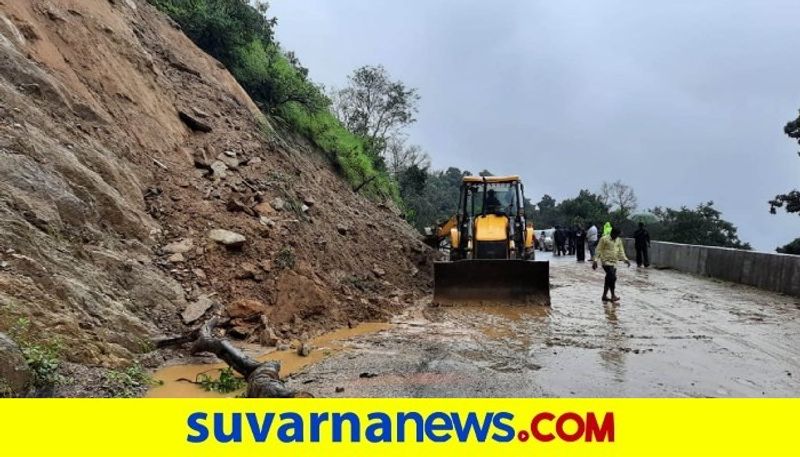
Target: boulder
(240, 332)
(278, 203)
(342, 229)
(235, 205)
(196, 309)
(179, 247)
(231, 161)
(15, 375)
(219, 169)
(246, 308)
(201, 159)
(194, 123)
(248, 270)
(200, 113)
(264, 209)
(227, 238)
(304, 349)
(268, 338)
(176, 258)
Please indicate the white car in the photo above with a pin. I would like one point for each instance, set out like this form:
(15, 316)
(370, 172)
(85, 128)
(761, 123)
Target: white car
(545, 239)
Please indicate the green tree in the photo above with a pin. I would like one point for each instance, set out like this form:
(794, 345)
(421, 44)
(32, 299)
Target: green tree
(791, 248)
(438, 199)
(375, 106)
(701, 226)
(585, 208)
(221, 27)
(544, 213)
(790, 200)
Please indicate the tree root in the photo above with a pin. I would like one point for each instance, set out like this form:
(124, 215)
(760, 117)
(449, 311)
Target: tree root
(263, 380)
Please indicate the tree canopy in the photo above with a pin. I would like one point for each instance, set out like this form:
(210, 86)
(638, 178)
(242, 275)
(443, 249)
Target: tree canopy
(375, 106)
(619, 197)
(791, 199)
(702, 225)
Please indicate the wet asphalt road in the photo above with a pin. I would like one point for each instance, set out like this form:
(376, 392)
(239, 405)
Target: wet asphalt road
(673, 335)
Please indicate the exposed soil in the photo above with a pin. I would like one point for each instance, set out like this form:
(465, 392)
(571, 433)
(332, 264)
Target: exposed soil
(103, 169)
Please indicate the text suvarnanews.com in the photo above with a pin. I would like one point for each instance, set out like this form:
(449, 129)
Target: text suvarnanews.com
(400, 427)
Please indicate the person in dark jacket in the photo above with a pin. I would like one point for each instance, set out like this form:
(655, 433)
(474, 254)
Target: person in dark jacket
(559, 238)
(580, 243)
(641, 242)
(571, 240)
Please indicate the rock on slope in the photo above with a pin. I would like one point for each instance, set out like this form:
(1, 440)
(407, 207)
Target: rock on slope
(123, 147)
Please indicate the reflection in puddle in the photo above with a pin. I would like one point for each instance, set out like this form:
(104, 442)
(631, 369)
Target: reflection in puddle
(612, 354)
(510, 312)
(177, 378)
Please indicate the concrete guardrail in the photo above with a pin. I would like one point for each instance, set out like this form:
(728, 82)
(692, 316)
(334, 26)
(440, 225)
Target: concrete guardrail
(775, 272)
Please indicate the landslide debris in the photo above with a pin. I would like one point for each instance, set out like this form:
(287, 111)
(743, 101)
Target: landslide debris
(141, 191)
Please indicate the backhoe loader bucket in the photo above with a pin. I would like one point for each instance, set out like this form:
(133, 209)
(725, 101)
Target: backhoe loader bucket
(491, 282)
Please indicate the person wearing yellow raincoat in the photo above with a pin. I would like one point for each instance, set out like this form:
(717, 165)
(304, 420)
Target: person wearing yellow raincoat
(610, 250)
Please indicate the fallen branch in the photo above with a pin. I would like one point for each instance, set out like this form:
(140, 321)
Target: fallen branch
(263, 380)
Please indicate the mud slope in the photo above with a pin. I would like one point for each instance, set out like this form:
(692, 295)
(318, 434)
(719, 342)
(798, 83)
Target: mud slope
(107, 197)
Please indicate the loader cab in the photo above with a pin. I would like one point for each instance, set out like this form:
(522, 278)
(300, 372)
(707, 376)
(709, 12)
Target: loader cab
(491, 220)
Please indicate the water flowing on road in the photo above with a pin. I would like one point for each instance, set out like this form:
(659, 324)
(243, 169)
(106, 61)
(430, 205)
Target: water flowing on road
(672, 335)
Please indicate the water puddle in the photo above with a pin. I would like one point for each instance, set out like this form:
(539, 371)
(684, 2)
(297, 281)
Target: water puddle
(174, 377)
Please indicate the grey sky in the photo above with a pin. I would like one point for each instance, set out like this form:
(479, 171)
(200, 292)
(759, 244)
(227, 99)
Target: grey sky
(683, 100)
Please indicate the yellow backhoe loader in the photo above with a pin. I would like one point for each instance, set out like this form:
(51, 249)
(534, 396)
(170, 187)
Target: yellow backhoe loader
(492, 255)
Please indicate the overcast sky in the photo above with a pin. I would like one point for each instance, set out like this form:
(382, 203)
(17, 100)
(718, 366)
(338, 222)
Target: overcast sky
(683, 100)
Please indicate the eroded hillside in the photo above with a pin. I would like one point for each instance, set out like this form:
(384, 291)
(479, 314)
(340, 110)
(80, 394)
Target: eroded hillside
(124, 150)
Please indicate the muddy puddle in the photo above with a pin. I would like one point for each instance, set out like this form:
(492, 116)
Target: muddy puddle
(176, 379)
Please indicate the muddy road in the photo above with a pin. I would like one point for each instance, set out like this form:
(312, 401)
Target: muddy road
(673, 335)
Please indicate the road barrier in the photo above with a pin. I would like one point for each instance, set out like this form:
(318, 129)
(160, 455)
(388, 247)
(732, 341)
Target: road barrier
(775, 272)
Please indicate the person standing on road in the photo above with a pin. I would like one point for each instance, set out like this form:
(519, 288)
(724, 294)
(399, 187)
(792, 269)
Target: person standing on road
(559, 238)
(642, 244)
(591, 240)
(610, 251)
(571, 240)
(580, 243)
